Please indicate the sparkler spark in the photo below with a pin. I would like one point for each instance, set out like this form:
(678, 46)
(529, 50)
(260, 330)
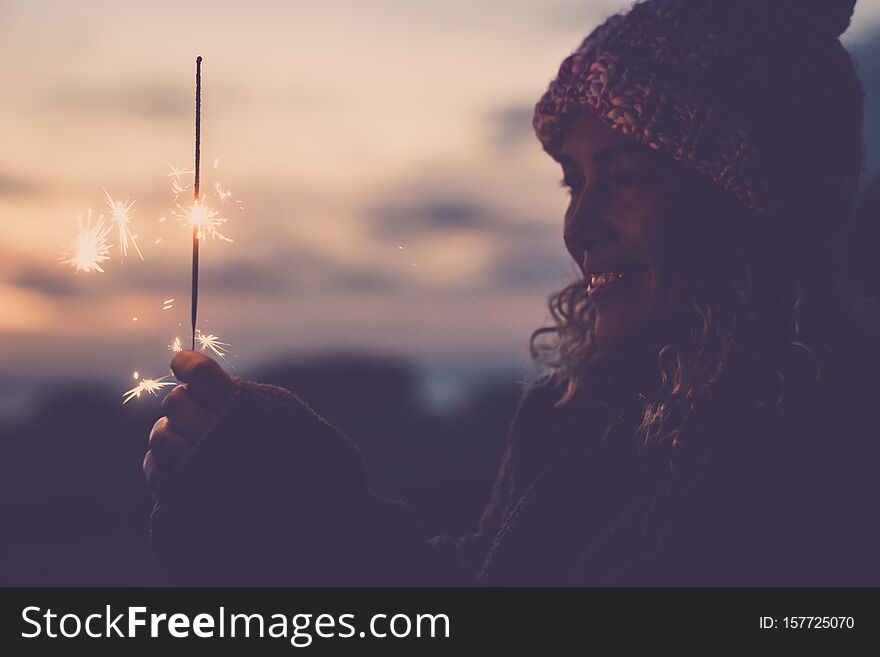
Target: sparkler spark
(213, 343)
(202, 218)
(90, 247)
(150, 386)
(223, 194)
(168, 304)
(175, 346)
(177, 172)
(121, 213)
(176, 187)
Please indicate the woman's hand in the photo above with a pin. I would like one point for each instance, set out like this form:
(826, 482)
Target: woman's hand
(191, 410)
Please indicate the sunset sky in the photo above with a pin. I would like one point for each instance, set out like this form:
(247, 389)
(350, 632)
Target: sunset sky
(394, 197)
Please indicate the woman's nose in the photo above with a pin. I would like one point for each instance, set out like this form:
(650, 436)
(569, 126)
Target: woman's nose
(584, 226)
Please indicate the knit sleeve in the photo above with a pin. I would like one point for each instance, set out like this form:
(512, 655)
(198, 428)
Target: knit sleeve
(274, 495)
(531, 441)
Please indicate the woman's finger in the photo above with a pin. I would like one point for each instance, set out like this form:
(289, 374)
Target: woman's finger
(151, 470)
(168, 448)
(208, 382)
(188, 417)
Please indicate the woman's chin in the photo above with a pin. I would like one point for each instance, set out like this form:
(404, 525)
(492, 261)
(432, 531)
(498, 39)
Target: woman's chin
(615, 330)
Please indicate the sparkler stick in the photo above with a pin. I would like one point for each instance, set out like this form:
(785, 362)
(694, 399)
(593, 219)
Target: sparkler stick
(195, 249)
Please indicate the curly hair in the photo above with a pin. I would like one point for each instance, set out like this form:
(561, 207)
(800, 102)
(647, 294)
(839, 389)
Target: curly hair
(757, 320)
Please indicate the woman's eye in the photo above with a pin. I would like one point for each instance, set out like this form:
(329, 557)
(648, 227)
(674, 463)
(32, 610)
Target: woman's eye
(627, 178)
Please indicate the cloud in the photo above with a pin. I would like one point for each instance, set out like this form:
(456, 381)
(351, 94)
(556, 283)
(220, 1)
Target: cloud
(295, 270)
(13, 186)
(530, 256)
(511, 126)
(57, 284)
(523, 254)
(151, 100)
(425, 215)
(247, 277)
(289, 270)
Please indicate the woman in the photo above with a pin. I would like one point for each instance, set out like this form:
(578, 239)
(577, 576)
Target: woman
(707, 414)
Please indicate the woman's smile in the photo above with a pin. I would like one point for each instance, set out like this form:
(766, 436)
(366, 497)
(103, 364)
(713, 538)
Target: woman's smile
(617, 226)
(604, 285)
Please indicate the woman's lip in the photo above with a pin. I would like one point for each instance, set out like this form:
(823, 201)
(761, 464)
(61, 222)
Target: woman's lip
(602, 283)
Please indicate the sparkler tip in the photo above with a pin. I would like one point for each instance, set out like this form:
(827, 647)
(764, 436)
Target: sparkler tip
(91, 246)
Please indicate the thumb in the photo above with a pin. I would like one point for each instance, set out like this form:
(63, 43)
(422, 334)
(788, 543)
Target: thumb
(205, 379)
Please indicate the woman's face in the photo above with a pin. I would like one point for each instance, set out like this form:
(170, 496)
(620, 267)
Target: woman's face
(617, 227)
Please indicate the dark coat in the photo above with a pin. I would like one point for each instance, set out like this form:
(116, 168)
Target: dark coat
(277, 496)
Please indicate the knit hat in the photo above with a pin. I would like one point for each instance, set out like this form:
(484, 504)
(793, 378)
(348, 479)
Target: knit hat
(758, 95)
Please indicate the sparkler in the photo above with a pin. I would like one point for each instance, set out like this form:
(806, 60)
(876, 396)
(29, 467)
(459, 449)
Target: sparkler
(195, 250)
(90, 247)
(150, 386)
(203, 220)
(121, 213)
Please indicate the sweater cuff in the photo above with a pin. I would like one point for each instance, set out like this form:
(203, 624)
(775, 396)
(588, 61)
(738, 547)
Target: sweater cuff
(265, 440)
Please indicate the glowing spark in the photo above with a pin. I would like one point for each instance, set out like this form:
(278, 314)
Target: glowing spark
(91, 247)
(161, 221)
(213, 343)
(157, 241)
(175, 346)
(223, 194)
(121, 213)
(168, 304)
(176, 188)
(176, 172)
(151, 386)
(135, 375)
(216, 162)
(204, 219)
